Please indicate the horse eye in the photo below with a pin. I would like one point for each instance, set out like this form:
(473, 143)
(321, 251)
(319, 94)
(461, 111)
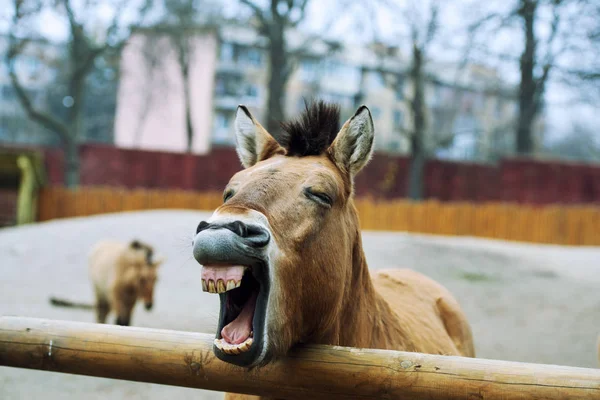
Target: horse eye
(319, 197)
(227, 195)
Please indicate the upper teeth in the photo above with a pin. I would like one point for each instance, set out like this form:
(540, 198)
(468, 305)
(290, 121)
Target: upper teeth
(220, 286)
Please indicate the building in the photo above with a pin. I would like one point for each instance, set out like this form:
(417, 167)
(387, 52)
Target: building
(229, 67)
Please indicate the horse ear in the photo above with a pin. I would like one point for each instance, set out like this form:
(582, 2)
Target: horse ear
(253, 142)
(157, 262)
(353, 147)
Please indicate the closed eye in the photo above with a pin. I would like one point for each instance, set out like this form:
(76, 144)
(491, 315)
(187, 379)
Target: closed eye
(227, 195)
(319, 197)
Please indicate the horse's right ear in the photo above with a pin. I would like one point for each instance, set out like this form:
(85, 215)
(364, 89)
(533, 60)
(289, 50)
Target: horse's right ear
(353, 147)
(253, 142)
(136, 245)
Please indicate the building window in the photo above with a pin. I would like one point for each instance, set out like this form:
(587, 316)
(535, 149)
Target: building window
(221, 121)
(251, 91)
(226, 52)
(221, 130)
(250, 56)
(220, 87)
(398, 123)
(400, 88)
(227, 85)
(499, 107)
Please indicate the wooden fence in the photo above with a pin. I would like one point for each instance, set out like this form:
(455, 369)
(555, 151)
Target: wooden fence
(565, 225)
(315, 372)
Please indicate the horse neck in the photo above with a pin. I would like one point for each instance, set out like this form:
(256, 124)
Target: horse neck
(366, 320)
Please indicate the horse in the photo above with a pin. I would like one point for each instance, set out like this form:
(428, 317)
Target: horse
(121, 274)
(284, 251)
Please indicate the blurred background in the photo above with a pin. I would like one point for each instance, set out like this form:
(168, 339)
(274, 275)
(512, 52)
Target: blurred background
(486, 118)
(471, 101)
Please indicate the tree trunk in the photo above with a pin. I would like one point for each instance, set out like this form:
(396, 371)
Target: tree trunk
(415, 177)
(71, 164)
(76, 128)
(417, 139)
(277, 75)
(189, 128)
(528, 85)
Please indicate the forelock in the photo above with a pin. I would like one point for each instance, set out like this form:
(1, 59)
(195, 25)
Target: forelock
(312, 132)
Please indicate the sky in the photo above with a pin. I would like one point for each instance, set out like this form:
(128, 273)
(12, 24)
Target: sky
(355, 25)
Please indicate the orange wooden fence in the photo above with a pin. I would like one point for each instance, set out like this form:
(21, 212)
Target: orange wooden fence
(566, 225)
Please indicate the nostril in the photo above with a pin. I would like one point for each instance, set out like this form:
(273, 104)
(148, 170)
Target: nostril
(202, 226)
(239, 228)
(257, 236)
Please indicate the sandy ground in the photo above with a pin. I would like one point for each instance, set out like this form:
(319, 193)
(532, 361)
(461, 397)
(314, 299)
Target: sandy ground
(525, 303)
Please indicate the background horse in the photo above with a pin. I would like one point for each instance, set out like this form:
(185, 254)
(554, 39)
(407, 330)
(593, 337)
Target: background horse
(121, 274)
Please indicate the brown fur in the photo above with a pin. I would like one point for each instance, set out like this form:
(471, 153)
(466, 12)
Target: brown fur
(121, 274)
(323, 292)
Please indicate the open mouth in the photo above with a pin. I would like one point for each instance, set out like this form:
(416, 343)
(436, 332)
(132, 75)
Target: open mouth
(243, 293)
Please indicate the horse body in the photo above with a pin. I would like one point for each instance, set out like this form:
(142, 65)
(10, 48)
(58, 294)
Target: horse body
(121, 274)
(285, 254)
(428, 317)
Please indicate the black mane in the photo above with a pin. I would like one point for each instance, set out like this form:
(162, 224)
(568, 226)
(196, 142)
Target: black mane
(311, 133)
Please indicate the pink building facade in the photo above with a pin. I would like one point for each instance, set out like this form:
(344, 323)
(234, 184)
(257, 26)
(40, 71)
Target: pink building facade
(150, 101)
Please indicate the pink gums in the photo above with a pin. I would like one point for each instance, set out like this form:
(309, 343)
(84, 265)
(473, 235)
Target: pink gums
(225, 273)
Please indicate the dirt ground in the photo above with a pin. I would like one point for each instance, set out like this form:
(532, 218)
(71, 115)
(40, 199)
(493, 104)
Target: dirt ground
(525, 303)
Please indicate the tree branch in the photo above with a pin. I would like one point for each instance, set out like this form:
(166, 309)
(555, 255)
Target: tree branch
(15, 48)
(44, 119)
(432, 25)
(257, 10)
(540, 83)
(302, 11)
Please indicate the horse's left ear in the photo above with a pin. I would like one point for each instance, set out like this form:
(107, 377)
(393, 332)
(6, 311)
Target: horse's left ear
(253, 142)
(353, 147)
(158, 261)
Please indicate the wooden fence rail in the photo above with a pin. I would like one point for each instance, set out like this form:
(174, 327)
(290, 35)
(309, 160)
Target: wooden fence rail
(565, 225)
(316, 372)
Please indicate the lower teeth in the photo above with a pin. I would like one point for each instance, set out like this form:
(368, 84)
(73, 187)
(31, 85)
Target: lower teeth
(234, 348)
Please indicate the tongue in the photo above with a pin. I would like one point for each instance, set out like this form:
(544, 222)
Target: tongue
(238, 330)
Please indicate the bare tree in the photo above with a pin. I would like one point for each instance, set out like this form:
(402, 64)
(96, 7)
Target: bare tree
(422, 141)
(83, 50)
(182, 23)
(273, 21)
(567, 37)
